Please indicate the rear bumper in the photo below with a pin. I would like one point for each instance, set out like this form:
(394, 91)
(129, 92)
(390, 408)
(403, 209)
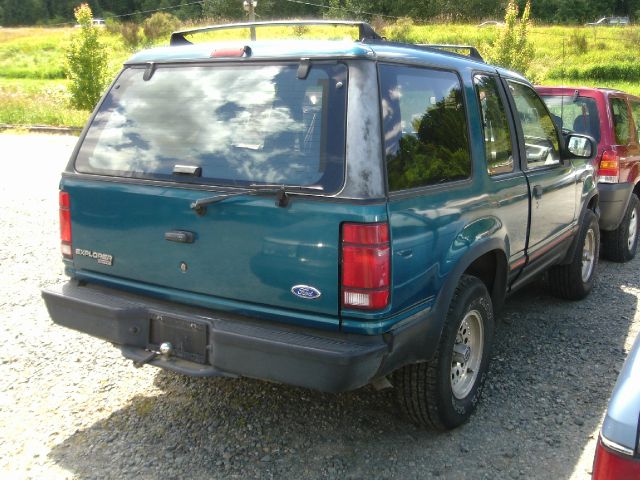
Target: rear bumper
(614, 198)
(238, 346)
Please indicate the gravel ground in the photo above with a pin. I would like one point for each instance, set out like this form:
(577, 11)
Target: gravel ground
(71, 407)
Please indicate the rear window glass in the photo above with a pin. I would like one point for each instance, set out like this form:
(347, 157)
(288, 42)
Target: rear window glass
(241, 124)
(578, 114)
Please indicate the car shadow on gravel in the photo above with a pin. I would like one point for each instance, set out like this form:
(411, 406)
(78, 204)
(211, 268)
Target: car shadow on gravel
(554, 365)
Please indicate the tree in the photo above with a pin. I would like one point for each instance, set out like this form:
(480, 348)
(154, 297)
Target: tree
(86, 65)
(228, 9)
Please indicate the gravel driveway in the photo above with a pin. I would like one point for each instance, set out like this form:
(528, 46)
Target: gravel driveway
(71, 407)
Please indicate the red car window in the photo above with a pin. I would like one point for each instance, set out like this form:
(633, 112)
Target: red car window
(621, 121)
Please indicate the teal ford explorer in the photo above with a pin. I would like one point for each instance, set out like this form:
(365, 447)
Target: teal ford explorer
(326, 214)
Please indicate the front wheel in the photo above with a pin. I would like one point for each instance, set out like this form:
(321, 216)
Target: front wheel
(575, 280)
(443, 393)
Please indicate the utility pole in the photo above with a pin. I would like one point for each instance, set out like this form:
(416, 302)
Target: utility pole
(252, 18)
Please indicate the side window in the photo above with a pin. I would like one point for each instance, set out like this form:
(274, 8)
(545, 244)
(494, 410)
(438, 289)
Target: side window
(425, 127)
(497, 137)
(635, 111)
(542, 145)
(621, 121)
(579, 114)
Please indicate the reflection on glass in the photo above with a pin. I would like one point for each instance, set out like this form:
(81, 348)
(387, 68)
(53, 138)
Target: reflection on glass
(240, 124)
(578, 114)
(580, 146)
(497, 137)
(542, 145)
(425, 127)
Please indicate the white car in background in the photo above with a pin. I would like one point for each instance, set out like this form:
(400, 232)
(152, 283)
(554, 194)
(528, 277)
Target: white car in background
(610, 22)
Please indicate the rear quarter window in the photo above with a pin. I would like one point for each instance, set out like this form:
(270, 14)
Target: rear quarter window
(621, 123)
(240, 124)
(425, 127)
(635, 112)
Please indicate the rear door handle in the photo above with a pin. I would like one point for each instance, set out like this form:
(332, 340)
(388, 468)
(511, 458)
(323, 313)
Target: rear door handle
(537, 191)
(180, 236)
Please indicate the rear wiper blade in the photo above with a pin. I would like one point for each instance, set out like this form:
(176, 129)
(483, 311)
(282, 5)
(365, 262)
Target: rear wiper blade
(282, 191)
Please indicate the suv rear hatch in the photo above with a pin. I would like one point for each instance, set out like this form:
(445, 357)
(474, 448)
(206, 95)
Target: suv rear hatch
(168, 135)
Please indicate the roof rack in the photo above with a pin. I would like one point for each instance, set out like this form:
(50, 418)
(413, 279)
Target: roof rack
(473, 51)
(365, 31)
(366, 34)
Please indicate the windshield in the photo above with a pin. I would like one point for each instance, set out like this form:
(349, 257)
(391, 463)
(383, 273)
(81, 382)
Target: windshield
(578, 114)
(234, 124)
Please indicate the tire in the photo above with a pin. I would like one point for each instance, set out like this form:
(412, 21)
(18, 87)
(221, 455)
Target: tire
(575, 280)
(437, 394)
(620, 245)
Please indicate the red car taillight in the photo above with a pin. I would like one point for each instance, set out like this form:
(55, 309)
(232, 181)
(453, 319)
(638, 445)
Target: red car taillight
(609, 168)
(65, 225)
(612, 465)
(365, 266)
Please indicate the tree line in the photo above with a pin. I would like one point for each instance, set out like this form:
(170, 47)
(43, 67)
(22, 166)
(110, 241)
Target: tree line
(51, 12)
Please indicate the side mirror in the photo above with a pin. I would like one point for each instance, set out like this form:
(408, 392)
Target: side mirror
(580, 146)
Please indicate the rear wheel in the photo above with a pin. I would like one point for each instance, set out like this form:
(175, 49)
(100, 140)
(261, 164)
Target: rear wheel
(620, 245)
(575, 280)
(442, 393)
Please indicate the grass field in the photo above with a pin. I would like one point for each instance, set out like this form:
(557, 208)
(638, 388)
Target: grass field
(33, 87)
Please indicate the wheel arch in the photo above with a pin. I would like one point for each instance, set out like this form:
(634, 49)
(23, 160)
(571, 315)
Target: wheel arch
(487, 260)
(591, 204)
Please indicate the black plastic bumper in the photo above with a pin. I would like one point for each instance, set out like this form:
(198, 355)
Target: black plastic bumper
(236, 346)
(614, 198)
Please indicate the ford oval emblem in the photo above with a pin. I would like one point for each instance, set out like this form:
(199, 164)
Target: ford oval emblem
(305, 291)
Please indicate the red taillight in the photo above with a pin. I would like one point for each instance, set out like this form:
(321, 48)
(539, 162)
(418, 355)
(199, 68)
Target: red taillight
(609, 168)
(611, 465)
(65, 225)
(365, 266)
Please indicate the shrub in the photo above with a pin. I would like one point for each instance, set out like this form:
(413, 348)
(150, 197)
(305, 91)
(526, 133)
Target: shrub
(512, 48)
(300, 30)
(131, 35)
(159, 25)
(400, 31)
(579, 42)
(112, 26)
(378, 23)
(86, 65)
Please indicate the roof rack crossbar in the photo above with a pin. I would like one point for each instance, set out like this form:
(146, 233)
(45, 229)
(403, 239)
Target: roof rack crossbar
(473, 51)
(365, 31)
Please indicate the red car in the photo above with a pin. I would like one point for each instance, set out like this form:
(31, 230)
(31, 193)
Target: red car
(611, 117)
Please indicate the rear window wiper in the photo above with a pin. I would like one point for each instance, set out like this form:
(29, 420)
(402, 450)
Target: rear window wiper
(281, 192)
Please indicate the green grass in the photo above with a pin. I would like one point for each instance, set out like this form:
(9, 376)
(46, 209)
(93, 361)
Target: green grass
(38, 102)
(33, 89)
(34, 53)
(39, 53)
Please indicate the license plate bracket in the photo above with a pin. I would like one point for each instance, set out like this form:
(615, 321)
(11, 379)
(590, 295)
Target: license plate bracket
(188, 338)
